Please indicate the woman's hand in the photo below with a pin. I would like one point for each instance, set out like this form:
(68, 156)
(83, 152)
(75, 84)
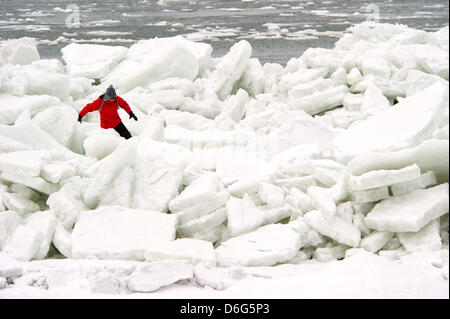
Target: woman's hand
(133, 116)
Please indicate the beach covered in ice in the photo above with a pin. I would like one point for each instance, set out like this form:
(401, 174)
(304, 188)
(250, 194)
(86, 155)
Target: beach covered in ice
(327, 177)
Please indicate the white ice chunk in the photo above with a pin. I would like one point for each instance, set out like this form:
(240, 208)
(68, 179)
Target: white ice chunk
(201, 208)
(300, 200)
(337, 228)
(302, 183)
(352, 102)
(418, 81)
(233, 166)
(235, 105)
(425, 180)
(201, 189)
(374, 101)
(309, 88)
(359, 221)
(427, 238)
(24, 192)
(170, 99)
(67, 203)
(60, 122)
(30, 134)
(24, 243)
(442, 38)
(243, 215)
(57, 171)
(186, 120)
(376, 66)
(111, 167)
(19, 51)
(27, 163)
(3, 283)
(45, 82)
(9, 145)
(176, 84)
(213, 235)
(354, 76)
(322, 199)
(376, 241)
(158, 274)
(339, 76)
(271, 194)
(36, 183)
(409, 212)
(433, 60)
(158, 175)
(209, 107)
(431, 155)
(62, 240)
(187, 250)
(328, 177)
(249, 186)
(370, 195)
(120, 191)
(215, 277)
(19, 204)
(125, 233)
(9, 221)
(154, 60)
(266, 246)
(419, 118)
(101, 145)
(330, 253)
(321, 101)
(252, 79)
(297, 79)
(12, 106)
(230, 69)
(345, 211)
(45, 223)
(204, 223)
(92, 60)
(275, 214)
(381, 178)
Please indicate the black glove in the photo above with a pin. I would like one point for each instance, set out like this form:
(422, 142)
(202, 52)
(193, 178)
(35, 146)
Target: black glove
(79, 118)
(133, 116)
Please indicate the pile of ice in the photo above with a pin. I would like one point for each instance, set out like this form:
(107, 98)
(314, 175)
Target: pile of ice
(232, 163)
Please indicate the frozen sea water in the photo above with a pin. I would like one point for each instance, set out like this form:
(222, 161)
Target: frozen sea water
(277, 30)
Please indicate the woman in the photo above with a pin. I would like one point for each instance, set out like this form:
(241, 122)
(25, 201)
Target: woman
(108, 104)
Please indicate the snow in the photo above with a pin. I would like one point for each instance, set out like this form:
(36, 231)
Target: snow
(327, 177)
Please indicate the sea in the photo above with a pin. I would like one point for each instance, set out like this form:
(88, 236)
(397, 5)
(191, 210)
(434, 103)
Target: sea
(277, 30)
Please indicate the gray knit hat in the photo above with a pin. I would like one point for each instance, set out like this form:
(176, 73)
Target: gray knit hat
(110, 93)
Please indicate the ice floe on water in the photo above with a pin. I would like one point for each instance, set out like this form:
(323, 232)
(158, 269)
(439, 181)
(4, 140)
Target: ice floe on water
(237, 170)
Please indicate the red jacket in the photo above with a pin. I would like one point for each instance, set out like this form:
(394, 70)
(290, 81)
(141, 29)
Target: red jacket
(109, 118)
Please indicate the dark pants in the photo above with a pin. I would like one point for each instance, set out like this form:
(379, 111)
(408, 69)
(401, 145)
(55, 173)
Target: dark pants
(123, 131)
